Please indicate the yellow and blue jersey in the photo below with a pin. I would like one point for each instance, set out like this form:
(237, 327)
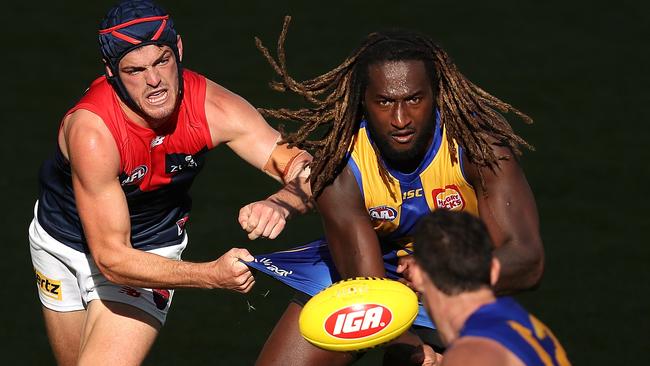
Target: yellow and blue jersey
(507, 323)
(396, 200)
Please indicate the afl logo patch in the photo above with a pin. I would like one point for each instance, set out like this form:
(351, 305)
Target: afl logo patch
(448, 198)
(136, 175)
(384, 213)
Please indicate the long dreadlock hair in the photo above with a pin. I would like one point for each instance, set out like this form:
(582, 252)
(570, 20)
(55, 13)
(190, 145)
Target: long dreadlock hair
(469, 114)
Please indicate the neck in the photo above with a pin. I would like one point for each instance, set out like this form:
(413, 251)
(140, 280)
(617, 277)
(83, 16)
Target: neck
(458, 308)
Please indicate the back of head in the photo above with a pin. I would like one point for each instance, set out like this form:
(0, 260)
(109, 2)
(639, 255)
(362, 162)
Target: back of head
(132, 24)
(455, 250)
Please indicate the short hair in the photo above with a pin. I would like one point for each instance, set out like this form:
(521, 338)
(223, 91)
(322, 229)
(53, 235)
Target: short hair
(455, 250)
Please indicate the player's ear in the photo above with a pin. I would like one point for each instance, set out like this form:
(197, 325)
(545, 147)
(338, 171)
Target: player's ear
(495, 269)
(179, 44)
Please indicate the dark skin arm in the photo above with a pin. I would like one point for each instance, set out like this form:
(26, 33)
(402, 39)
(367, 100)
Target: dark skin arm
(356, 252)
(351, 238)
(507, 207)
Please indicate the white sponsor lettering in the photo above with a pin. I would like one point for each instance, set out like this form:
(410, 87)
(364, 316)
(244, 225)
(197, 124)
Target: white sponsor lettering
(273, 268)
(358, 320)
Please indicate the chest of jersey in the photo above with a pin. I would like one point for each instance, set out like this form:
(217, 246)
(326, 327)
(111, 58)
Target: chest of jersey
(151, 161)
(395, 201)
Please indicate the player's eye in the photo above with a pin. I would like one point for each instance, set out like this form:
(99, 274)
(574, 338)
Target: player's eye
(384, 102)
(414, 100)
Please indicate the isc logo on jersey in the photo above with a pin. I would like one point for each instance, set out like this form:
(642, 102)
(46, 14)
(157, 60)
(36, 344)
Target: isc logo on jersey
(136, 175)
(448, 198)
(383, 213)
(358, 321)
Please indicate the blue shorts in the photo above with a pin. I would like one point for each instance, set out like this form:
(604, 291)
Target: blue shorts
(310, 269)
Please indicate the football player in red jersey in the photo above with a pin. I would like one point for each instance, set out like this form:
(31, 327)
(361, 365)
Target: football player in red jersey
(109, 225)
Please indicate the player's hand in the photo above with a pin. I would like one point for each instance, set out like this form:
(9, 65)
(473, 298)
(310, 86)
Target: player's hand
(405, 266)
(231, 273)
(263, 219)
(426, 356)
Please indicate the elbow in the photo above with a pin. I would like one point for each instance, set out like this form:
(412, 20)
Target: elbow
(535, 268)
(108, 265)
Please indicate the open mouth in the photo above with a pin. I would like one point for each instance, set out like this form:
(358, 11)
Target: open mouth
(157, 97)
(403, 137)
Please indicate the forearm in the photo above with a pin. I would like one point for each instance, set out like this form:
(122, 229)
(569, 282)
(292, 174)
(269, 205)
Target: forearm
(521, 267)
(134, 267)
(295, 197)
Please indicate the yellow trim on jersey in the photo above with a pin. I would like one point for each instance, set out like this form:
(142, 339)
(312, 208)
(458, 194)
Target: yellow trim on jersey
(442, 185)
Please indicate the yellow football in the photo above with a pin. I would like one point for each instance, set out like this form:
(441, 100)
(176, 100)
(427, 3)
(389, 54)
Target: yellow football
(358, 313)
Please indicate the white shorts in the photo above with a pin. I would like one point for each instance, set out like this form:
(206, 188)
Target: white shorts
(67, 280)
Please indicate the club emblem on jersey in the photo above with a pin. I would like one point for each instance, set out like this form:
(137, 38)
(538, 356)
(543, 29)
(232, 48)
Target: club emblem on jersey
(136, 175)
(448, 198)
(384, 213)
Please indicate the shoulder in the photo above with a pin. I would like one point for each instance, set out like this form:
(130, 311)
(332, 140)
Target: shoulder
(506, 161)
(223, 101)
(228, 114)
(478, 351)
(86, 134)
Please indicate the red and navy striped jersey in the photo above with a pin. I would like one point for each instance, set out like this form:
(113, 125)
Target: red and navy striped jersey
(157, 169)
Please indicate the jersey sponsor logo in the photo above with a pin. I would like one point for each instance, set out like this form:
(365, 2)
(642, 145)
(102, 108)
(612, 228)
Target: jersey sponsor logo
(158, 140)
(412, 194)
(130, 291)
(178, 165)
(358, 321)
(161, 298)
(273, 268)
(385, 213)
(448, 198)
(180, 224)
(136, 175)
(48, 287)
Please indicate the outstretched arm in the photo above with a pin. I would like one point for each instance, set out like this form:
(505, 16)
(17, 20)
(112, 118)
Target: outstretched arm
(104, 214)
(507, 207)
(349, 232)
(233, 121)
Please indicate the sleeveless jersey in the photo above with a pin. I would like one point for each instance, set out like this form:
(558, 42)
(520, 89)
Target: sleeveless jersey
(395, 202)
(507, 323)
(157, 169)
(394, 205)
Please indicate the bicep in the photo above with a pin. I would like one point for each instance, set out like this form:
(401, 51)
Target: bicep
(505, 201)
(100, 201)
(235, 122)
(350, 235)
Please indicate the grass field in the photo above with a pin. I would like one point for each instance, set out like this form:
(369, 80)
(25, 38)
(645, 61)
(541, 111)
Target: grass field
(580, 69)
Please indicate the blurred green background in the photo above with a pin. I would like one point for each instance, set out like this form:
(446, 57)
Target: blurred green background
(580, 69)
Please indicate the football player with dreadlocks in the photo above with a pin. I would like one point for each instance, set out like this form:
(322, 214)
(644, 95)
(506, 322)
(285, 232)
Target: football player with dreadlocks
(109, 225)
(399, 132)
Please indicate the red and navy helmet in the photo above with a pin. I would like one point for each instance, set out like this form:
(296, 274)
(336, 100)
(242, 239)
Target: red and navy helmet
(132, 24)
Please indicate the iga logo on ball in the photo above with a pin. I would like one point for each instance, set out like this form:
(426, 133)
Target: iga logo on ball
(358, 321)
(358, 313)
